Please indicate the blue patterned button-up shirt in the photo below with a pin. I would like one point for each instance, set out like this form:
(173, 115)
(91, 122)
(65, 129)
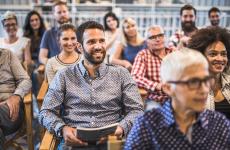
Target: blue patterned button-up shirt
(111, 97)
(157, 129)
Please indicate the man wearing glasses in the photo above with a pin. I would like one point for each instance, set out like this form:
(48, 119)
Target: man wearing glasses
(146, 67)
(183, 122)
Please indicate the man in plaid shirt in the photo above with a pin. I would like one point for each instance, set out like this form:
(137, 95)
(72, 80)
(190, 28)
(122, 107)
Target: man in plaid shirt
(146, 67)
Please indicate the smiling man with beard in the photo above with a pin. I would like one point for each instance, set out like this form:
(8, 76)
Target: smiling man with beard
(90, 94)
(188, 25)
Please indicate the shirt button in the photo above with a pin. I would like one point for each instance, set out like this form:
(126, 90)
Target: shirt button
(94, 102)
(92, 123)
(93, 90)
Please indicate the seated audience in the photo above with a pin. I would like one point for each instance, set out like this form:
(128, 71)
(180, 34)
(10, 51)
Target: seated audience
(182, 122)
(112, 34)
(131, 43)
(67, 39)
(90, 94)
(20, 46)
(214, 44)
(146, 67)
(14, 84)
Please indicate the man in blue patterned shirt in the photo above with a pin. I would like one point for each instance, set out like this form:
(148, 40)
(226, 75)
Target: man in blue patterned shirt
(182, 122)
(91, 93)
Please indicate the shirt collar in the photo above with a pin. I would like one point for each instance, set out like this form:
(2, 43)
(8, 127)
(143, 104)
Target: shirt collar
(167, 51)
(167, 112)
(100, 72)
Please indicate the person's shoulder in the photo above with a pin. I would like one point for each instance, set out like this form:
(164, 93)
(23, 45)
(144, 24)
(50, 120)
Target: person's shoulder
(226, 75)
(114, 66)
(24, 39)
(52, 60)
(71, 70)
(217, 117)
(117, 70)
(144, 52)
(153, 117)
(7, 55)
(5, 52)
(49, 31)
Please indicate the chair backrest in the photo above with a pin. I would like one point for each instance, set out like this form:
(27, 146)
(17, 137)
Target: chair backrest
(42, 92)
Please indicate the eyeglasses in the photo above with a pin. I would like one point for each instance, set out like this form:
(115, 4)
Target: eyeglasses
(195, 83)
(154, 37)
(9, 25)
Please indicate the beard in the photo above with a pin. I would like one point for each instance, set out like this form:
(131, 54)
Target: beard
(63, 20)
(91, 59)
(215, 22)
(188, 26)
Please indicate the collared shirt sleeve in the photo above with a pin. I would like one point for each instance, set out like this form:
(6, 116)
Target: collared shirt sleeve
(139, 137)
(133, 105)
(45, 40)
(139, 72)
(23, 82)
(49, 115)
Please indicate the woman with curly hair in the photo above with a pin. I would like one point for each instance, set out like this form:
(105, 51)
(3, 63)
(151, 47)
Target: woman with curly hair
(214, 43)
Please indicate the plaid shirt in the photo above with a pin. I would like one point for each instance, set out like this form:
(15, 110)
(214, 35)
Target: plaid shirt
(146, 72)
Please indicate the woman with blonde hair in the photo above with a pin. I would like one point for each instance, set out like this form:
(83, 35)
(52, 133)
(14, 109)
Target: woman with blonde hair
(131, 43)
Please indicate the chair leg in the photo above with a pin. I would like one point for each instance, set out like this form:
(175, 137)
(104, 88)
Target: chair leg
(29, 130)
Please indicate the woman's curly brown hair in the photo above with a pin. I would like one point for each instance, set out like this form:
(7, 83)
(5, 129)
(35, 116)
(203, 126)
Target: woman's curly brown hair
(202, 38)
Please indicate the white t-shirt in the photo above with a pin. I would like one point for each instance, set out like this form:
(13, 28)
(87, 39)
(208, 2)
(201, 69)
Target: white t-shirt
(17, 47)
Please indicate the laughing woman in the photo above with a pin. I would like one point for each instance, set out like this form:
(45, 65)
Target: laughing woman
(69, 56)
(20, 46)
(214, 43)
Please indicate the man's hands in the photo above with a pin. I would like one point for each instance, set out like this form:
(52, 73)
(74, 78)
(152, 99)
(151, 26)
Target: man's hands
(70, 137)
(119, 132)
(13, 103)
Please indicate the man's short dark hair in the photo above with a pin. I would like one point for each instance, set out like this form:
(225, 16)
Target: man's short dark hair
(87, 25)
(187, 7)
(213, 9)
(59, 2)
